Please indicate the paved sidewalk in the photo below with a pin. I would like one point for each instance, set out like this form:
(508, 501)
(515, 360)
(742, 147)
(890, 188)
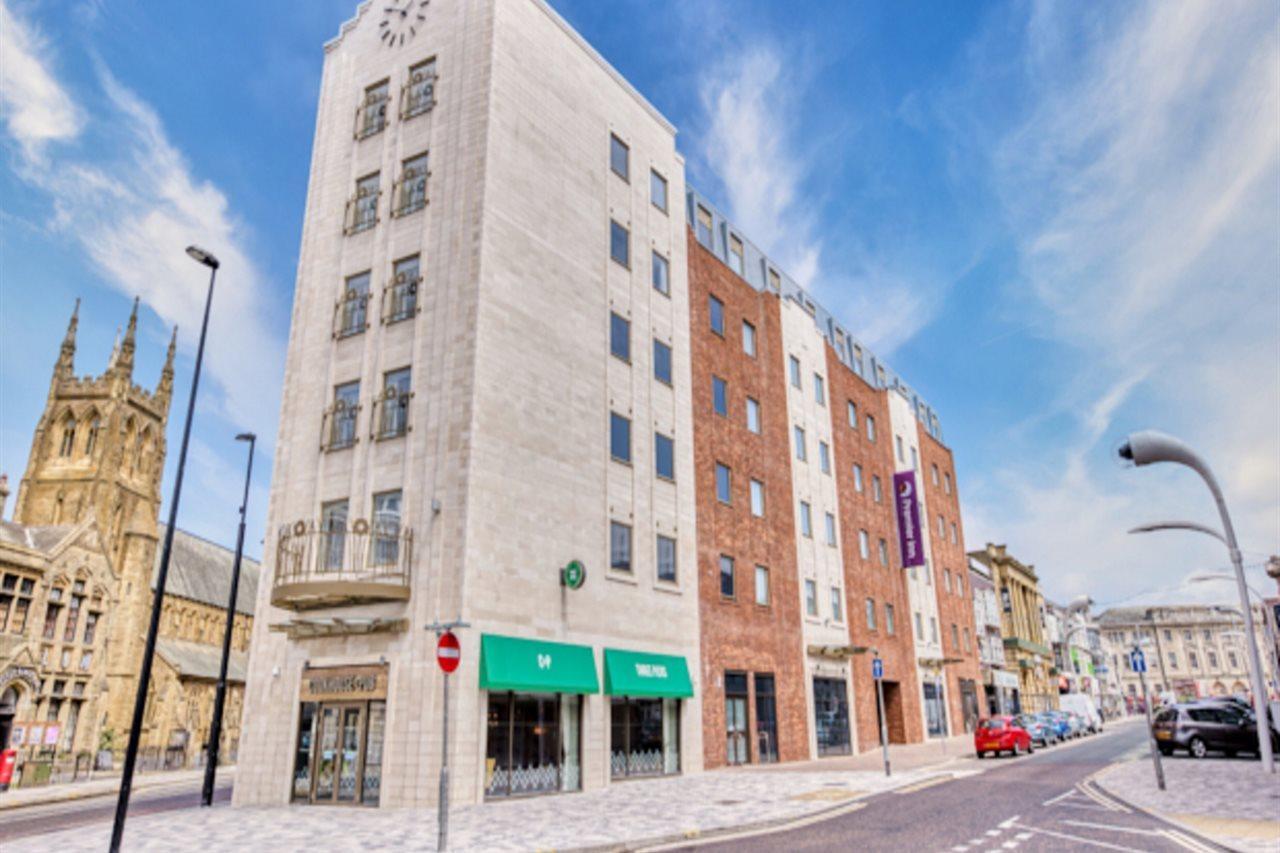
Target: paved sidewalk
(106, 783)
(622, 816)
(1229, 800)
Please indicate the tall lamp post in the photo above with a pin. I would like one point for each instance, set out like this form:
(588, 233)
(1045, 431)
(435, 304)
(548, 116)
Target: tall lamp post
(215, 726)
(162, 574)
(1149, 447)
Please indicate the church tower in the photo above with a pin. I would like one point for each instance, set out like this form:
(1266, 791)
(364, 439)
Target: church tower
(99, 449)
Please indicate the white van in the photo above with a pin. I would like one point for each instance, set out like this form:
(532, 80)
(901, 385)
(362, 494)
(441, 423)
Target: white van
(1082, 705)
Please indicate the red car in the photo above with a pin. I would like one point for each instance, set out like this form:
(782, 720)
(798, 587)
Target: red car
(1001, 734)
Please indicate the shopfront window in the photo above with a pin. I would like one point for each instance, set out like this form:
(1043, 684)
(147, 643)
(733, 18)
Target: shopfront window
(533, 744)
(735, 717)
(935, 710)
(831, 708)
(645, 736)
(338, 755)
(766, 719)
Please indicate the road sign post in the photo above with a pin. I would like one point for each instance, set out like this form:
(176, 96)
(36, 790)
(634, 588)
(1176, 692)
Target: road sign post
(448, 656)
(877, 672)
(1138, 661)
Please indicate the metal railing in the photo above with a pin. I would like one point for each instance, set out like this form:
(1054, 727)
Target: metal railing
(409, 194)
(391, 413)
(418, 96)
(400, 299)
(371, 116)
(362, 212)
(336, 551)
(339, 430)
(351, 314)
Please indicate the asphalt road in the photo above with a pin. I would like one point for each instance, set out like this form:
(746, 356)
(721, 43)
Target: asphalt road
(36, 820)
(1038, 802)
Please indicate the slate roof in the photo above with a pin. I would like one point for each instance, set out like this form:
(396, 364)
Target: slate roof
(199, 661)
(42, 539)
(200, 570)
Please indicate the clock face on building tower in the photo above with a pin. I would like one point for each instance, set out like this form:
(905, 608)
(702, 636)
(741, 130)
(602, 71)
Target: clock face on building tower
(401, 20)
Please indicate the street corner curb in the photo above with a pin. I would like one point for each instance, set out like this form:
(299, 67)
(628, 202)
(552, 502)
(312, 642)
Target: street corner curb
(1196, 834)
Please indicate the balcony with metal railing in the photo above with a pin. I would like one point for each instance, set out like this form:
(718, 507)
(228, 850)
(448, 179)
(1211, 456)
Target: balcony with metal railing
(400, 299)
(330, 564)
(371, 115)
(391, 413)
(339, 429)
(418, 95)
(409, 194)
(351, 314)
(362, 211)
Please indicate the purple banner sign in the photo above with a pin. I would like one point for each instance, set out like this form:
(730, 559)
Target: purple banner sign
(910, 542)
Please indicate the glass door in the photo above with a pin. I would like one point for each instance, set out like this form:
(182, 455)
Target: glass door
(326, 762)
(735, 717)
(766, 720)
(349, 755)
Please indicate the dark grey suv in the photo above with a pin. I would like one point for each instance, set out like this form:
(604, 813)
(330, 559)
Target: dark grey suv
(1207, 726)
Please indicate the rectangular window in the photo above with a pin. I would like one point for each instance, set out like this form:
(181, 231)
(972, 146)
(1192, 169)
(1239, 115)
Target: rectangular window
(871, 428)
(801, 453)
(871, 614)
(661, 362)
(795, 371)
(419, 95)
(333, 526)
(402, 294)
(806, 519)
(666, 559)
(362, 210)
(372, 117)
(852, 410)
(661, 274)
(704, 227)
(410, 194)
(955, 534)
(915, 460)
(830, 529)
(955, 636)
(658, 190)
(727, 580)
(1193, 660)
(619, 546)
(386, 529)
(753, 416)
(888, 619)
(877, 494)
(934, 473)
(824, 457)
(735, 254)
(946, 483)
(664, 456)
(715, 309)
(757, 498)
(619, 243)
(748, 339)
(620, 336)
(837, 605)
(901, 454)
(719, 396)
(722, 483)
(864, 545)
(353, 310)
(619, 157)
(619, 437)
(946, 577)
(762, 586)
(819, 389)
(968, 645)
(342, 419)
(775, 281)
(810, 598)
(857, 478)
(919, 627)
(393, 417)
(933, 629)
(884, 553)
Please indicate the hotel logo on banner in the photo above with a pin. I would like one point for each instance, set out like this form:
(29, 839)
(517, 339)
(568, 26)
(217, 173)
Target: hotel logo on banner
(909, 540)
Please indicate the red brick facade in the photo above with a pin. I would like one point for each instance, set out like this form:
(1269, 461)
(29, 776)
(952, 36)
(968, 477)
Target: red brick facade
(868, 578)
(737, 633)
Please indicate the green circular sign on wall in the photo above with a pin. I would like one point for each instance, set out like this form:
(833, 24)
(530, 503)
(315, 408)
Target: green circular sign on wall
(573, 575)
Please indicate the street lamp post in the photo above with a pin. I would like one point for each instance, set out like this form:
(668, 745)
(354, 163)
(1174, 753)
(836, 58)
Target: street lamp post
(1149, 447)
(1150, 616)
(1268, 629)
(162, 573)
(219, 701)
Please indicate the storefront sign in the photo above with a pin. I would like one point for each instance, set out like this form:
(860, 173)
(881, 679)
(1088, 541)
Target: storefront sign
(909, 539)
(344, 682)
(573, 575)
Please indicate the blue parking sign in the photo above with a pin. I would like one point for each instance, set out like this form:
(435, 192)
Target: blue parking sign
(877, 668)
(1138, 660)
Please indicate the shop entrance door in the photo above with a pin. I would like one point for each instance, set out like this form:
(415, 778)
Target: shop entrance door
(735, 718)
(339, 735)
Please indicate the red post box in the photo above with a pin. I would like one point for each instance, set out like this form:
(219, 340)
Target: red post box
(8, 758)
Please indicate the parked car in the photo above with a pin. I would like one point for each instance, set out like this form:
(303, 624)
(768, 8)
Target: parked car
(1059, 724)
(1001, 734)
(1201, 727)
(1083, 705)
(1079, 724)
(1040, 731)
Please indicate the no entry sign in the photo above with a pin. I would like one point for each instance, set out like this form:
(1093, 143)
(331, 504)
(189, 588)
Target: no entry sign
(448, 653)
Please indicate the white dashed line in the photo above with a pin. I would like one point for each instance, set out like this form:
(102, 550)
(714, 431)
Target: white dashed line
(1061, 796)
(1005, 824)
(1110, 828)
(1081, 840)
(1022, 836)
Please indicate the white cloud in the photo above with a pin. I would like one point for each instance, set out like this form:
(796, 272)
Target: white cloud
(36, 108)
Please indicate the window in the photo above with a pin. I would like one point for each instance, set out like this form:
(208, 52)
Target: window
(1232, 661)
(942, 528)
(333, 524)
(915, 460)
(722, 483)
(748, 339)
(412, 190)
(372, 116)
(753, 416)
(864, 545)
(946, 483)
(801, 453)
(775, 281)
(1193, 660)
(386, 529)
(888, 619)
(619, 157)
(934, 473)
(666, 559)
(402, 293)
(810, 598)
(619, 437)
(852, 411)
(830, 521)
(919, 627)
(824, 457)
(393, 407)
(837, 605)
(968, 646)
(664, 456)
(704, 226)
(946, 577)
(795, 370)
(719, 396)
(342, 416)
(51, 620)
(933, 630)
(362, 209)
(871, 614)
(1213, 660)
(806, 519)
(857, 478)
(757, 498)
(420, 93)
(661, 274)
(819, 390)
(726, 576)
(877, 494)
(955, 636)
(898, 441)
(72, 624)
(619, 243)
(762, 586)
(715, 309)
(620, 336)
(884, 553)
(658, 190)
(619, 546)
(955, 534)
(1173, 660)
(735, 254)
(91, 626)
(661, 362)
(871, 428)
(353, 309)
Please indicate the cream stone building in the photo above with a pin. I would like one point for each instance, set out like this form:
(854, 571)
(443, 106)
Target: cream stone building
(1026, 648)
(77, 562)
(486, 383)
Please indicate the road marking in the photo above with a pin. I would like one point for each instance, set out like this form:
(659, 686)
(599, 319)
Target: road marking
(920, 786)
(1064, 795)
(1186, 841)
(1087, 788)
(1080, 839)
(1009, 845)
(799, 823)
(1111, 828)
(1022, 836)
(1005, 824)
(1087, 808)
(993, 832)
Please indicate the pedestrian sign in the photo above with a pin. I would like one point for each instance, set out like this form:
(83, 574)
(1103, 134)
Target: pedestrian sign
(1137, 661)
(877, 668)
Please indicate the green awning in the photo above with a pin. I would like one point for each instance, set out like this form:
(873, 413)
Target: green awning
(644, 674)
(536, 666)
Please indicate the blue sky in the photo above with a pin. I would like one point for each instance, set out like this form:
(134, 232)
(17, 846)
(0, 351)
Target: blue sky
(1060, 222)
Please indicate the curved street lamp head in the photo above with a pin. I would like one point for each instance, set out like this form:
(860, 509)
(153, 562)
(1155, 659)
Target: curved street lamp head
(1193, 526)
(206, 258)
(246, 436)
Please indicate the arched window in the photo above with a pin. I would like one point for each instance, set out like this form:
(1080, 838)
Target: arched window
(68, 436)
(91, 441)
(58, 504)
